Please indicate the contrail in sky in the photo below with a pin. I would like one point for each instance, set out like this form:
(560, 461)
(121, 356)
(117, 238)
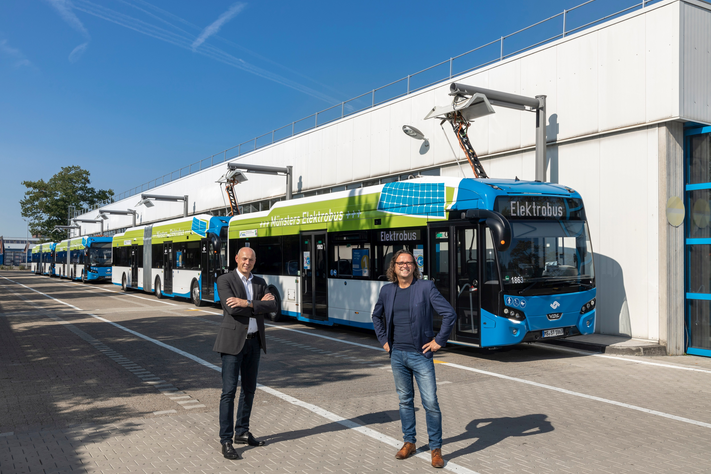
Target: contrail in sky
(231, 43)
(64, 8)
(186, 41)
(215, 27)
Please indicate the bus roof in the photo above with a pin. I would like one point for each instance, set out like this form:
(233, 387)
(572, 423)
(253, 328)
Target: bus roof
(196, 226)
(397, 204)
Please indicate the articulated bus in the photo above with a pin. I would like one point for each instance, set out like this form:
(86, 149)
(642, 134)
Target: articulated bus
(84, 258)
(514, 258)
(176, 258)
(43, 258)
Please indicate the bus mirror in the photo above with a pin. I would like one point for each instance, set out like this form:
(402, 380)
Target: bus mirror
(499, 225)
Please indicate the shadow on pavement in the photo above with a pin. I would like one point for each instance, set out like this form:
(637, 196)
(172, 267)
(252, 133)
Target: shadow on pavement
(490, 431)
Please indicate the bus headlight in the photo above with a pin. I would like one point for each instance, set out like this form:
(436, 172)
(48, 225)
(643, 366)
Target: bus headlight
(513, 313)
(587, 307)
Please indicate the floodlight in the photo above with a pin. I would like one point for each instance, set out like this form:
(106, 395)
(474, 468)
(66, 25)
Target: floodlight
(476, 106)
(145, 202)
(413, 132)
(233, 174)
(104, 214)
(265, 170)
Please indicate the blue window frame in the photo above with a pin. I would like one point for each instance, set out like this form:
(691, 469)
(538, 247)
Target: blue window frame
(697, 268)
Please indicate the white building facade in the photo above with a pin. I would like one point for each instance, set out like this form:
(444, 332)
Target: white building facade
(628, 102)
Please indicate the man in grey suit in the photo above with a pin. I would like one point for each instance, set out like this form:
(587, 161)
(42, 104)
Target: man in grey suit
(245, 300)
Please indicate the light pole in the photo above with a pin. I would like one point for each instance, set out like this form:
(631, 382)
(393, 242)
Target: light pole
(27, 238)
(288, 171)
(96, 221)
(103, 213)
(147, 200)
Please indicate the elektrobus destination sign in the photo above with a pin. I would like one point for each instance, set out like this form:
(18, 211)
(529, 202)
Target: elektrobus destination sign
(540, 207)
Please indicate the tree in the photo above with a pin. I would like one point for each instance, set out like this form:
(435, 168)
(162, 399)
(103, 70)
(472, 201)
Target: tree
(46, 203)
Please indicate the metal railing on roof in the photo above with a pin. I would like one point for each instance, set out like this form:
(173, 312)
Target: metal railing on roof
(405, 86)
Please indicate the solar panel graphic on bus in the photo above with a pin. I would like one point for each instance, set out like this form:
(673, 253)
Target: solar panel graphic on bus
(199, 227)
(413, 198)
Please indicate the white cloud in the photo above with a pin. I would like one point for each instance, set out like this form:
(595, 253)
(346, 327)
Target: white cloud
(64, 8)
(78, 52)
(217, 24)
(15, 55)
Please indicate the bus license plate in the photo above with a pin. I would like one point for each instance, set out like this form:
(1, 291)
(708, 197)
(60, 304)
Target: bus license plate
(552, 332)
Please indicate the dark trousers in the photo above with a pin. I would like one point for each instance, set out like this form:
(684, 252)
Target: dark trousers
(246, 365)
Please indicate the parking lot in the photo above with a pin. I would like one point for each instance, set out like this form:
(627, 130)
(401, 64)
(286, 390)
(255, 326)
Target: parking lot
(93, 379)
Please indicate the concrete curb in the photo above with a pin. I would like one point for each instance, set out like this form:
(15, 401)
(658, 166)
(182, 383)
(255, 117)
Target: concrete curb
(612, 349)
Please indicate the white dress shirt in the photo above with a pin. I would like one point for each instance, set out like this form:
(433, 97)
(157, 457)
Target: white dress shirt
(247, 281)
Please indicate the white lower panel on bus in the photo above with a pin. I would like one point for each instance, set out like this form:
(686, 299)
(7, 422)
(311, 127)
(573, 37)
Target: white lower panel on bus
(352, 301)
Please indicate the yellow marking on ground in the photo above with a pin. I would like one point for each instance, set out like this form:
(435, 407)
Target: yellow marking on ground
(193, 310)
(438, 361)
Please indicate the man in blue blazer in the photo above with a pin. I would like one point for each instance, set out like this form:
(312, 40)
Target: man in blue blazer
(402, 318)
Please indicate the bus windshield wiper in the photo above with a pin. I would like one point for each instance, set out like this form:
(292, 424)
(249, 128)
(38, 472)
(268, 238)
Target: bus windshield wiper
(571, 281)
(530, 286)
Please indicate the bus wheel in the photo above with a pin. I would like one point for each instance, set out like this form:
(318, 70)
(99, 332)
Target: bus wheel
(83, 277)
(158, 289)
(124, 287)
(195, 294)
(276, 315)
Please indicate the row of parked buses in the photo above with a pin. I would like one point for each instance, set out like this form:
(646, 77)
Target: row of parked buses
(514, 258)
(81, 258)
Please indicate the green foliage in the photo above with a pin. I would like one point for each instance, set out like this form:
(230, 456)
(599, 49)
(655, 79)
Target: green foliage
(46, 203)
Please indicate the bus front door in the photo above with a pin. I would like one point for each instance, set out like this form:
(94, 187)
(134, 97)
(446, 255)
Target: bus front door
(134, 267)
(314, 276)
(208, 273)
(168, 268)
(454, 267)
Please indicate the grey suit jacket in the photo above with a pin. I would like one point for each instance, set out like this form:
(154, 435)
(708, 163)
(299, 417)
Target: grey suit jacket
(235, 321)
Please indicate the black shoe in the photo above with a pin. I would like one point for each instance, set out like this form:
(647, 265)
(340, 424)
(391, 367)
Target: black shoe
(229, 452)
(247, 438)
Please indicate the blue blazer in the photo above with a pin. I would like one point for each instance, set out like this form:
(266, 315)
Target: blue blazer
(424, 297)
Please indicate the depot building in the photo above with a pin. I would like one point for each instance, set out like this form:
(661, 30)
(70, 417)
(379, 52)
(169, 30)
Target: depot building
(628, 126)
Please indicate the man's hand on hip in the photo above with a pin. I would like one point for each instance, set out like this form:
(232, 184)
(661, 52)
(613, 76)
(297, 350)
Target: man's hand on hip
(431, 346)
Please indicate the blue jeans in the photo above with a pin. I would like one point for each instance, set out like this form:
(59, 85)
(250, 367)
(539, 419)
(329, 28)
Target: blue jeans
(246, 364)
(405, 365)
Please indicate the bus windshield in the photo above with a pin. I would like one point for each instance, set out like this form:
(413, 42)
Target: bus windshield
(100, 255)
(546, 257)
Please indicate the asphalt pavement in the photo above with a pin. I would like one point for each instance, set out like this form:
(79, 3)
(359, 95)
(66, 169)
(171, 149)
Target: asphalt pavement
(99, 381)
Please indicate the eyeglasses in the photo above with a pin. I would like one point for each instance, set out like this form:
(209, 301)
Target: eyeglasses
(402, 264)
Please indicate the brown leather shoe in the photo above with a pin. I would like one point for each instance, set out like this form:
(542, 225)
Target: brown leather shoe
(437, 460)
(407, 450)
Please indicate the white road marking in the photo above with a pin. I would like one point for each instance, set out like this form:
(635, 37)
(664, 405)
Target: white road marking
(152, 300)
(578, 394)
(634, 360)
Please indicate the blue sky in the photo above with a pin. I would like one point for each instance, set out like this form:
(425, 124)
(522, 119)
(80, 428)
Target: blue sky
(134, 89)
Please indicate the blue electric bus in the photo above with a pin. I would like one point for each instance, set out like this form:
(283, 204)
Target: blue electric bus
(177, 258)
(43, 259)
(514, 258)
(84, 258)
